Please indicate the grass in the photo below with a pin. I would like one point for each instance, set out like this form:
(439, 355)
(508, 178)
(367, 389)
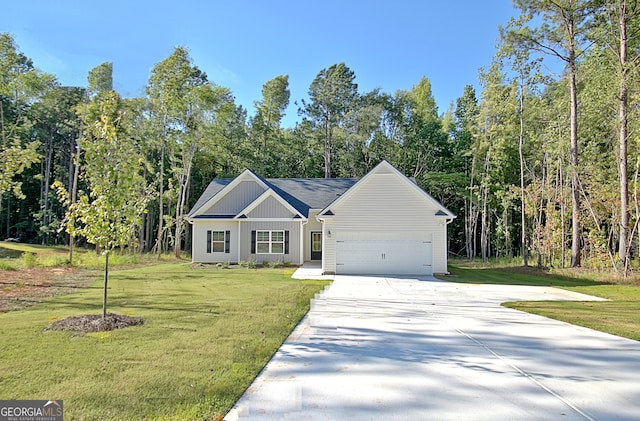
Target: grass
(207, 334)
(15, 256)
(618, 316)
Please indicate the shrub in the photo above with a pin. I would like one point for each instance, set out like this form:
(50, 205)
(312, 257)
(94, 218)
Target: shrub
(29, 260)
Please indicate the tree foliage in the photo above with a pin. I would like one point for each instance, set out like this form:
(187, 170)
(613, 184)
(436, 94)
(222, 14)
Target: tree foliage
(542, 161)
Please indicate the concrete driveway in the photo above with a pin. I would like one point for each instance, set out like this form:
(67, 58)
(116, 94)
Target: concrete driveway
(374, 348)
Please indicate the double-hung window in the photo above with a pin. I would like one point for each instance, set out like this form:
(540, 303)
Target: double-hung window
(218, 241)
(270, 242)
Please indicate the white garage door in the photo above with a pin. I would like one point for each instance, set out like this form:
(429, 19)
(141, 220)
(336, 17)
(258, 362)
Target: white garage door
(384, 253)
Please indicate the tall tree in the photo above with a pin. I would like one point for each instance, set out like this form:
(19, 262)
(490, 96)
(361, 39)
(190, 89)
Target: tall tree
(620, 14)
(527, 77)
(425, 145)
(185, 102)
(57, 125)
(562, 30)
(101, 78)
(20, 84)
(332, 95)
(465, 137)
(265, 124)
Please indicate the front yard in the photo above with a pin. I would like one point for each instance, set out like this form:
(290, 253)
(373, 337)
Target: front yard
(207, 333)
(618, 316)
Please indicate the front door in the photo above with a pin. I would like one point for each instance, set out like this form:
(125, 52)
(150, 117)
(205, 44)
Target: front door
(316, 245)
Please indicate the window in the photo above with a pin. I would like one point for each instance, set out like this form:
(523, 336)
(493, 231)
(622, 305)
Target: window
(263, 242)
(270, 242)
(218, 241)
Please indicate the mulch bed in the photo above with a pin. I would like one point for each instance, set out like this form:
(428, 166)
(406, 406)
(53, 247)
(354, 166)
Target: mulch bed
(88, 323)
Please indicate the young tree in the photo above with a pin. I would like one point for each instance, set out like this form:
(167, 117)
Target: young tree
(108, 215)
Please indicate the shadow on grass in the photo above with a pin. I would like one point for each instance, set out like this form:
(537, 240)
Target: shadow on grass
(515, 276)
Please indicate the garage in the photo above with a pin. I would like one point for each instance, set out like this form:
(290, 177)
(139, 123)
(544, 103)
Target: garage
(380, 253)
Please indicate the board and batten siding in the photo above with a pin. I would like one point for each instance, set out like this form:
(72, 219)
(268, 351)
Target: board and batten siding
(237, 199)
(385, 203)
(270, 208)
(200, 239)
(294, 228)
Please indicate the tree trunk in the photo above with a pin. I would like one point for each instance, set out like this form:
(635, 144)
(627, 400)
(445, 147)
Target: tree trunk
(327, 149)
(470, 214)
(74, 193)
(158, 246)
(575, 182)
(622, 121)
(484, 229)
(106, 281)
(563, 234)
(181, 206)
(523, 219)
(47, 182)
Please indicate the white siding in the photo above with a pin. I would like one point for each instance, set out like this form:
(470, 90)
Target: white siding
(386, 202)
(237, 199)
(199, 242)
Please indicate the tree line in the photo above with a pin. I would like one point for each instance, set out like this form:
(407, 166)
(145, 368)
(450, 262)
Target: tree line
(542, 163)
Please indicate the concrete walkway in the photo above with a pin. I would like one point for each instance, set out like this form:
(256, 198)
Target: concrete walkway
(409, 349)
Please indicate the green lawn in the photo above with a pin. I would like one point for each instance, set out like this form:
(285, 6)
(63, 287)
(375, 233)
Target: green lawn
(207, 334)
(619, 316)
(15, 256)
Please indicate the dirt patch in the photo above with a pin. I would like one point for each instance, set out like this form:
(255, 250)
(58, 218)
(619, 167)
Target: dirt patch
(26, 287)
(88, 323)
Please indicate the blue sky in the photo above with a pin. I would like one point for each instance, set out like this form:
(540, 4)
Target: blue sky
(242, 44)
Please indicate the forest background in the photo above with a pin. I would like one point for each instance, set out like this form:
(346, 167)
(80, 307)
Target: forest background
(540, 165)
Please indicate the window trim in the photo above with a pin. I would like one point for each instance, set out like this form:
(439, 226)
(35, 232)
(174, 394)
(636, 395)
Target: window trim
(226, 241)
(270, 242)
(220, 243)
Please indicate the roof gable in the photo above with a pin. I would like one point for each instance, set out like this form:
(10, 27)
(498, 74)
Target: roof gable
(385, 169)
(270, 205)
(237, 197)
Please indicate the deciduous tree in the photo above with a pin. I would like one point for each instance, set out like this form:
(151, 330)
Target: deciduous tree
(109, 213)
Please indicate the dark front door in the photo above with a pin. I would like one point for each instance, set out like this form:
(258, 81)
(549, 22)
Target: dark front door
(316, 245)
